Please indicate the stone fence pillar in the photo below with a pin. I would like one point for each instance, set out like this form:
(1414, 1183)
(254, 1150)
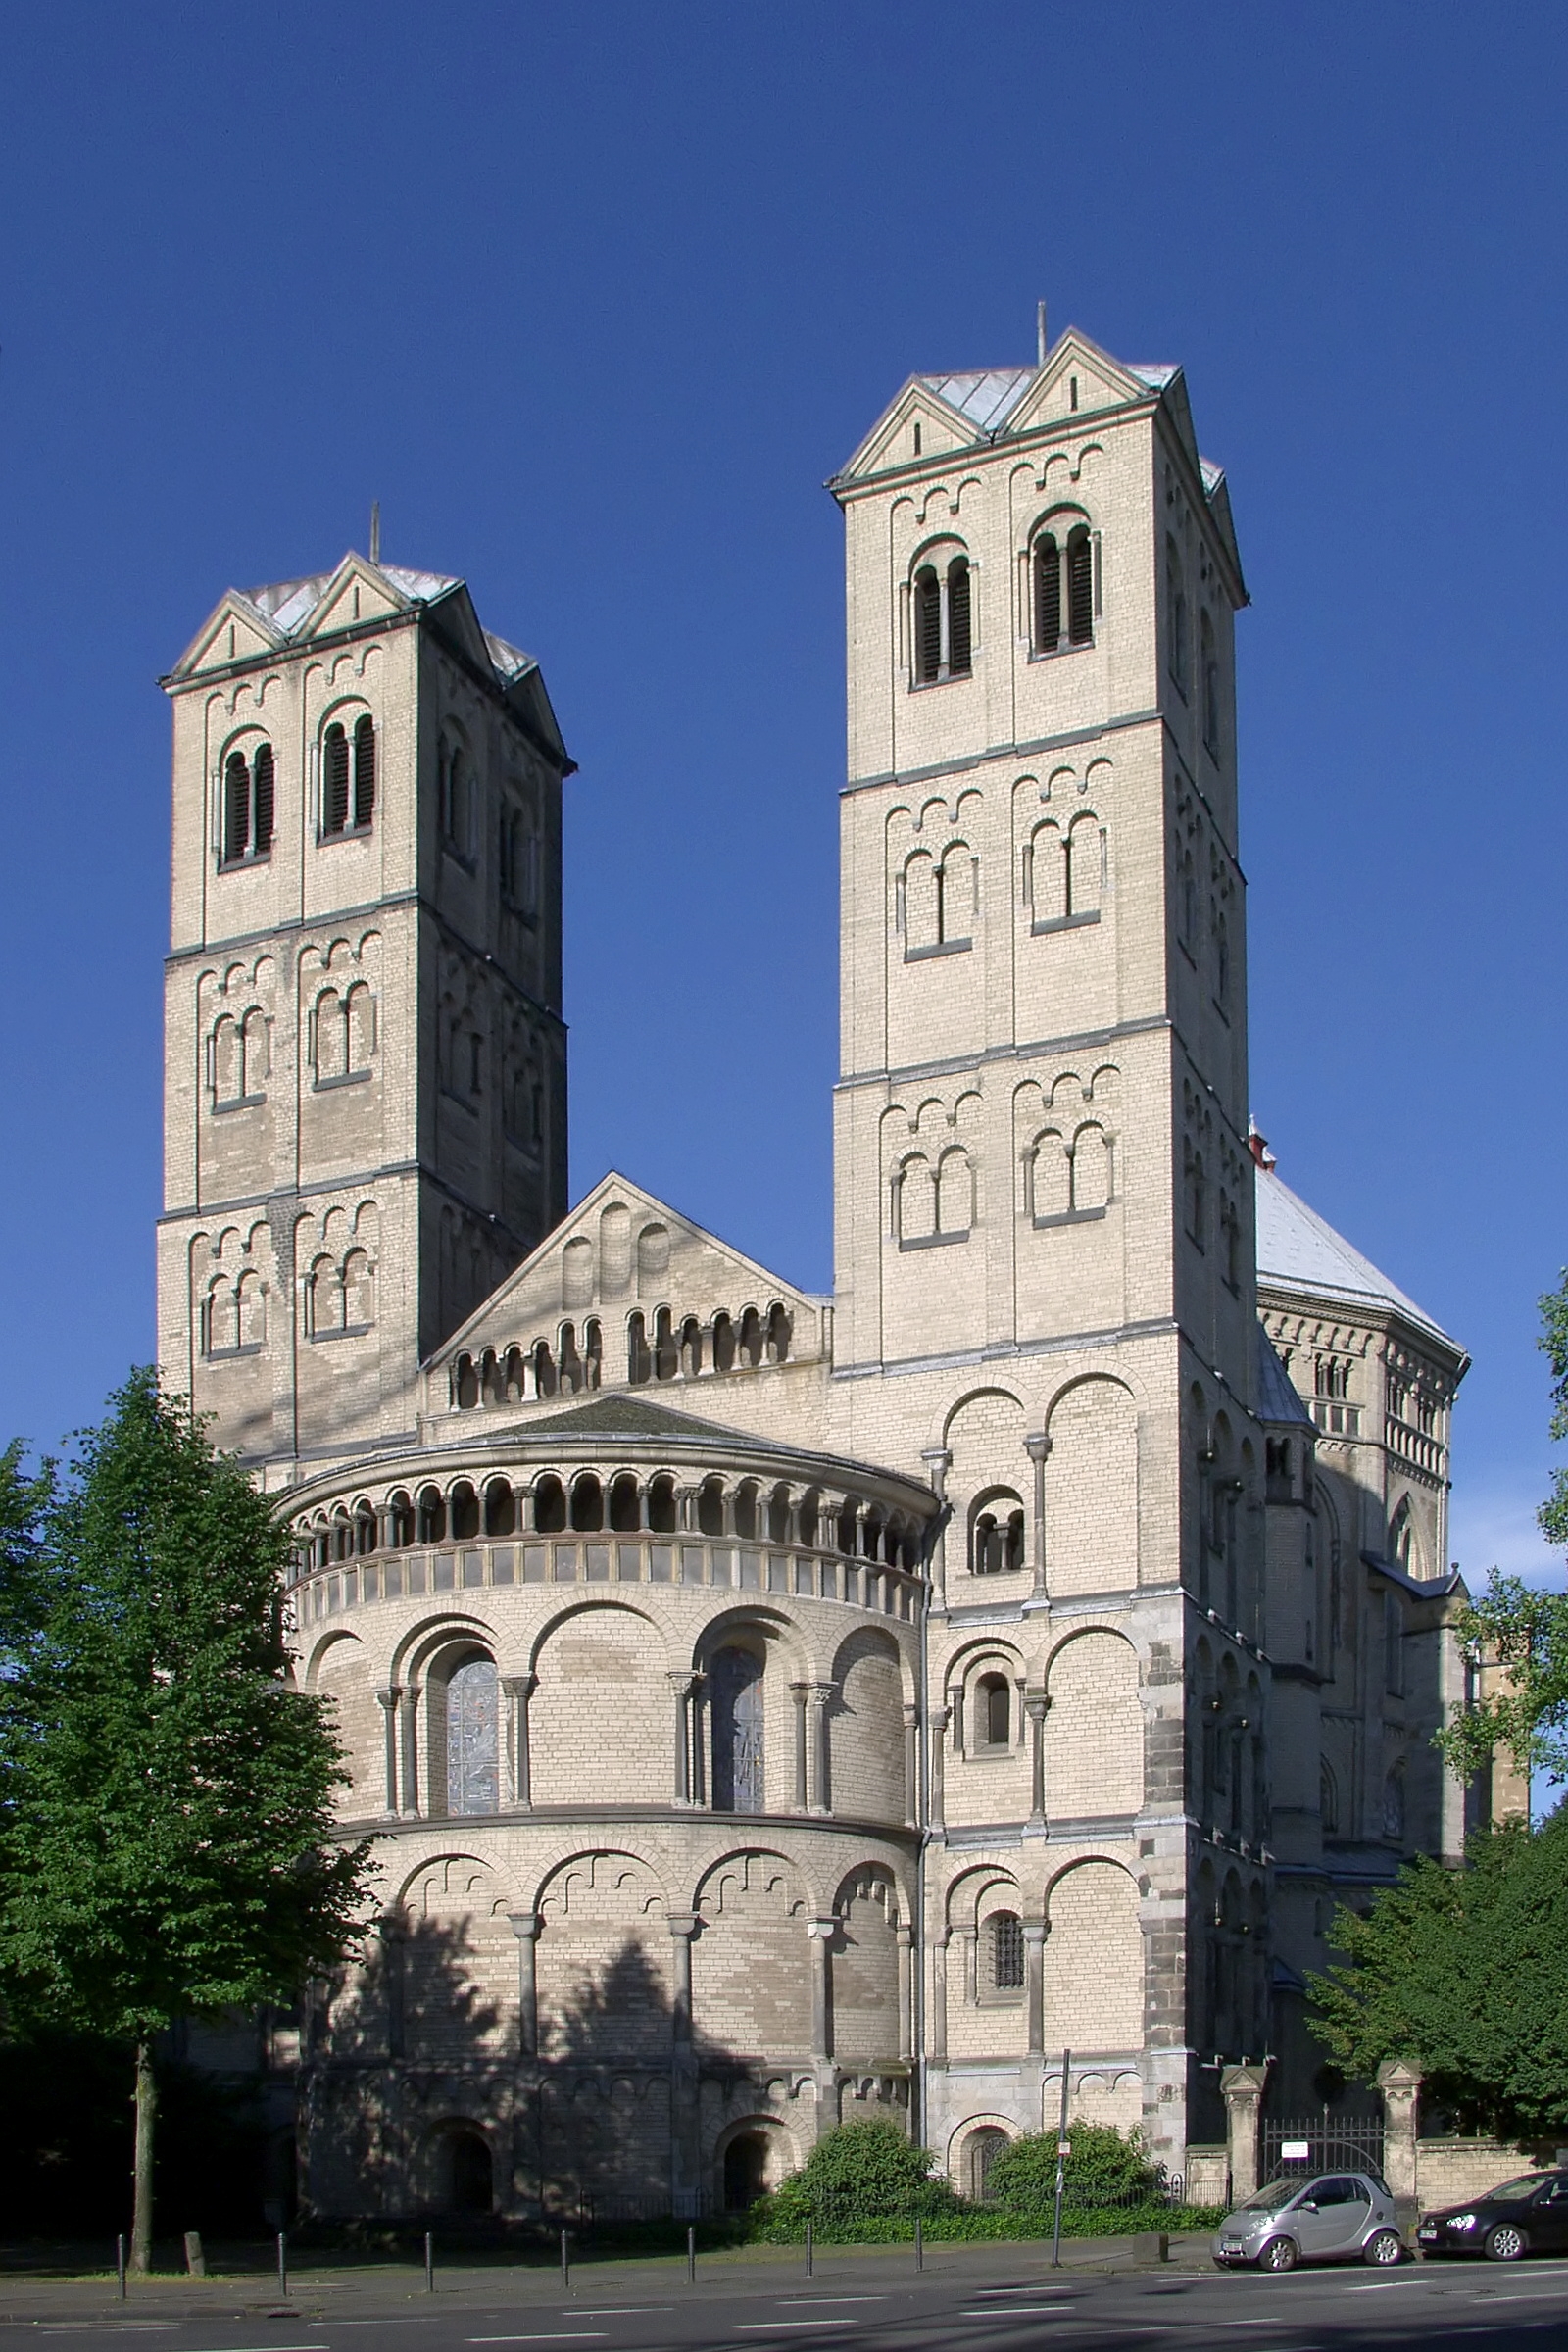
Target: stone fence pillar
(1242, 2088)
(1400, 2083)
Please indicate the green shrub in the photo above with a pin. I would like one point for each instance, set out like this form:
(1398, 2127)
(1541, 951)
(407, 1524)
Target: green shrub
(857, 2174)
(1106, 2168)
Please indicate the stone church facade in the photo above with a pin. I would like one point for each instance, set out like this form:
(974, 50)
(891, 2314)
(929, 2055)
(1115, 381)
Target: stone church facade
(777, 1708)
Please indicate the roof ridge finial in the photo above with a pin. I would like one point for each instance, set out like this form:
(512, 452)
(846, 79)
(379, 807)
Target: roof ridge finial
(375, 530)
(1041, 340)
(1258, 1145)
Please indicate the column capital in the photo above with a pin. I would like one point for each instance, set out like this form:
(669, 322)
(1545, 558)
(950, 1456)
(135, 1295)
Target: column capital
(1037, 1445)
(524, 1925)
(1034, 1930)
(682, 1924)
(389, 1695)
(684, 1680)
(824, 1929)
(903, 1934)
(1246, 2081)
(519, 1685)
(1036, 1705)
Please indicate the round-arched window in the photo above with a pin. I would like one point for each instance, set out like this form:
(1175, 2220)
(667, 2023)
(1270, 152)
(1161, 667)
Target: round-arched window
(473, 1746)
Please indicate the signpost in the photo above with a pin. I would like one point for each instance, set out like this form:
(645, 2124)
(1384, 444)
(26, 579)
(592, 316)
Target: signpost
(1064, 2151)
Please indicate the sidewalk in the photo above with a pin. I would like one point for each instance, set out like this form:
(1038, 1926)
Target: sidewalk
(243, 2284)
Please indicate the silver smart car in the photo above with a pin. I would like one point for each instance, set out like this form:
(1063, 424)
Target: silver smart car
(1332, 2217)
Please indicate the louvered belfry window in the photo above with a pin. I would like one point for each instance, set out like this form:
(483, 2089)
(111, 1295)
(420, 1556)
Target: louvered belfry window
(1080, 588)
(1048, 593)
(364, 771)
(958, 634)
(927, 627)
(236, 808)
(262, 799)
(334, 780)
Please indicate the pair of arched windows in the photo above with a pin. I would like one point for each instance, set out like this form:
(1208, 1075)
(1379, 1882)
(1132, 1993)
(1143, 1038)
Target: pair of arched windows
(997, 1533)
(239, 1060)
(933, 1203)
(342, 1034)
(340, 1298)
(249, 795)
(234, 1316)
(942, 621)
(348, 778)
(1066, 1178)
(1063, 570)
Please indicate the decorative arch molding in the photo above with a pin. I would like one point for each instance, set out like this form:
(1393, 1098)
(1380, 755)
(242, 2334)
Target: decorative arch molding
(598, 1609)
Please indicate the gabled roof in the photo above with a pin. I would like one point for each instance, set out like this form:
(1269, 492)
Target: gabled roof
(984, 394)
(1299, 1251)
(285, 614)
(1277, 1397)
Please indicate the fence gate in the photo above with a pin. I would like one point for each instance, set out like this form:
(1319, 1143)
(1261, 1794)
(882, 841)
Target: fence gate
(1317, 2143)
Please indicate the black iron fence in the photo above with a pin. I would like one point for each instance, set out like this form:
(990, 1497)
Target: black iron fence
(1318, 2143)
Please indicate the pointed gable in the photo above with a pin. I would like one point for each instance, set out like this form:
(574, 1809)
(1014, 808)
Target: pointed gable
(237, 631)
(1075, 366)
(358, 591)
(622, 1254)
(920, 409)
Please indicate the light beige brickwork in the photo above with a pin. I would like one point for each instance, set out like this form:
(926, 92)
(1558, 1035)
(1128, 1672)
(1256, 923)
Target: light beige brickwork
(775, 1709)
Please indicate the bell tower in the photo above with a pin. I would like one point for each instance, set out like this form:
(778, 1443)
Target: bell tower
(365, 1062)
(1044, 1242)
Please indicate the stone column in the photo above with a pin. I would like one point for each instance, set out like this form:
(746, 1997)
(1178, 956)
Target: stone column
(798, 1691)
(409, 1792)
(939, 1996)
(1036, 1447)
(938, 1461)
(525, 1926)
(912, 1767)
(904, 1936)
(1400, 2086)
(1035, 1932)
(1242, 2088)
(685, 2151)
(818, 1762)
(394, 1930)
(698, 1743)
(519, 1689)
(937, 1736)
(389, 1700)
(1036, 1705)
(680, 1685)
(822, 1932)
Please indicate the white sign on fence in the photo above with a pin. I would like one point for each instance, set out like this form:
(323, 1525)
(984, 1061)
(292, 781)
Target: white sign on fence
(1295, 2151)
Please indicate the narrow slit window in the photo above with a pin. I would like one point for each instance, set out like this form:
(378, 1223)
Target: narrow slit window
(1080, 588)
(927, 627)
(363, 771)
(959, 617)
(263, 800)
(334, 780)
(236, 808)
(1048, 593)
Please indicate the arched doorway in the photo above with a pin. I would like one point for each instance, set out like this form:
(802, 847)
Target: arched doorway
(744, 2169)
(470, 2172)
(985, 2146)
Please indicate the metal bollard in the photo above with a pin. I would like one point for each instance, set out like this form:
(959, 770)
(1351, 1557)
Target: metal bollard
(566, 2266)
(195, 2259)
(429, 2263)
(809, 2272)
(282, 2267)
(920, 2247)
(691, 2257)
(119, 2266)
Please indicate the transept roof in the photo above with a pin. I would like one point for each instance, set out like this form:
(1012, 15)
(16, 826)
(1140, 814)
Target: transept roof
(1297, 1250)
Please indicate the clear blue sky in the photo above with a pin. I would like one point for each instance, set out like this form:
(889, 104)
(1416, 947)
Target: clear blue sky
(593, 299)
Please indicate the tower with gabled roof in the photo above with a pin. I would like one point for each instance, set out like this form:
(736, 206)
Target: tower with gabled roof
(366, 1088)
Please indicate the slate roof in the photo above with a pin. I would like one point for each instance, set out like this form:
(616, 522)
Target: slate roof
(1277, 1397)
(989, 395)
(613, 1415)
(1301, 1250)
(289, 604)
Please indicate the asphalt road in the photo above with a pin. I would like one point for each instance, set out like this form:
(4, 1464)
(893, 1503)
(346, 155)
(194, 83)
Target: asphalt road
(984, 2303)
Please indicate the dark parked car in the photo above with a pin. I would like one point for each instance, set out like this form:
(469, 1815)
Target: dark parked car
(1527, 2216)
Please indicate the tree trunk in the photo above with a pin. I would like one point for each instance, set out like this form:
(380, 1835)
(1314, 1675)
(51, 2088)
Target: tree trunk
(141, 2225)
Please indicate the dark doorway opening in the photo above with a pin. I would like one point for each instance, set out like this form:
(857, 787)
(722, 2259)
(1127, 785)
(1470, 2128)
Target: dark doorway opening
(744, 2171)
(471, 2172)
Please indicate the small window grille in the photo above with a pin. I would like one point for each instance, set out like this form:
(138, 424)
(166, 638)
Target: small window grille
(1007, 1951)
(1080, 588)
(363, 771)
(958, 638)
(334, 780)
(927, 627)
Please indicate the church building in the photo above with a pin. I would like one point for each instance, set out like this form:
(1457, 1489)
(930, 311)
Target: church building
(777, 1708)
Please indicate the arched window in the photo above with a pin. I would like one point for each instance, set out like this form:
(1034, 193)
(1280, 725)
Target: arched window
(980, 2157)
(1222, 958)
(549, 1506)
(473, 1722)
(454, 796)
(1175, 616)
(432, 1515)
(639, 1363)
(1189, 903)
(323, 1298)
(248, 804)
(723, 1342)
(710, 1507)
(662, 1513)
(1393, 1806)
(1064, 576)
(363, 771)
(587, 1503)
(750, 1338)
(667, 1350)
(1210, 684)
(399, 1521)
(1091, 1170)
(250, 1301)
(225, 1063)
(465, 1512)
(735, 1683)
(500, 1508)
(624, 1513)
(993, 1711)
(1328, 1799)
(1006, 1932)
(914, 1200)
(334, 780)
(1196, 1197)
(954, 1194)
(1401, 1541)
(996, 1532)
(942, 613)
(778, 1335)
(359, 1291)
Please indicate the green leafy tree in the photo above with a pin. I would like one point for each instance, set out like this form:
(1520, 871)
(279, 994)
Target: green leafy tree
(1520, 1629)
(167, 1843)
(1105, 2168)
(1465, 1974)
(861, 2171)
